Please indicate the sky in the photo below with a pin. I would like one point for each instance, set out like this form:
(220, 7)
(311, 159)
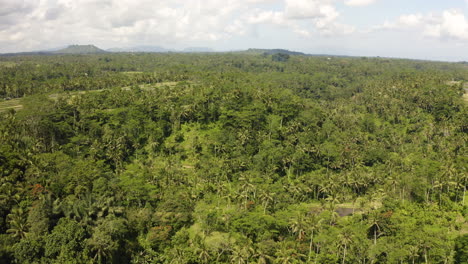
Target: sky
(419, 29)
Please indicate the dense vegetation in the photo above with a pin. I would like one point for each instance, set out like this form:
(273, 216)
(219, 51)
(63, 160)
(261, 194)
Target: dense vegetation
(232, 158)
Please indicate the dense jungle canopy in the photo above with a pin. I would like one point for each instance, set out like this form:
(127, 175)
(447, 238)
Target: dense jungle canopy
(232, 158)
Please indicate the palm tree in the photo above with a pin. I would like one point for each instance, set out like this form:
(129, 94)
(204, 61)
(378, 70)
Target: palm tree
(284, 255)
(332, 201)
(102, 245)
(314, 223)
(438, 186)
(241, 255)
(295, 190)
(229, 195)
(262, 257)
(413, 252)
(461, 183)
(248, 186)
(17, 220)
(298, 226)
(266, 199)
(243, 195)
(329, 188)
(393, 181)
(176, 256)
(375, 221)
(204, 253)
(345, 238)
(287, 254)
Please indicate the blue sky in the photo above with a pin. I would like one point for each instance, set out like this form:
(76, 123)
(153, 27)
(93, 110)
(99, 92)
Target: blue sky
(420, 29)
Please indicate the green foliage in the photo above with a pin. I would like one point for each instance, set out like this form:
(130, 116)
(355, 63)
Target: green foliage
(280, 57)
(232, 158)
(461, 249)
(66, 243)
(29, 250)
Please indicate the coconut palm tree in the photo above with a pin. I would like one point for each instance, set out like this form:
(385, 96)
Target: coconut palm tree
(286, 254)
(314, 223)
(266, 198)
(345, 238)
(241, 254)
(17, 220)
(262, 257)
(375, 222)
(204, 254)
(298, 225)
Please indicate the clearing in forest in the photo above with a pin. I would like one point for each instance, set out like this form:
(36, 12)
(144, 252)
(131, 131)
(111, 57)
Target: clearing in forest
(55, 96)
(16, 103)
(11, 104)
(465, 88)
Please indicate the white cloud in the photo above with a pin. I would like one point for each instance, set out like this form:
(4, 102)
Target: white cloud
(318, 15)
(448, 24)
(15, 6)
(403, 22)
(412, 20)
(359, 2)
(33, 24)
(104, 22)
(279, 19)
(306, 9)
(452, 24)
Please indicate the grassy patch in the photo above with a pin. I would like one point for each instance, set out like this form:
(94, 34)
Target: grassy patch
(17, 105)
(132, 72)
(11, 104)
(149, 87)
(7, 64)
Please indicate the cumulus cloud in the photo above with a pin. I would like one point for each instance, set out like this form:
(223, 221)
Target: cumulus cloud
(304, 9)
(451, 24)
(403, 22)
(447, 24)
(321, 16)
(29, 24)
(123, 21)
(359, 2)
(279, 19)
(9, 7)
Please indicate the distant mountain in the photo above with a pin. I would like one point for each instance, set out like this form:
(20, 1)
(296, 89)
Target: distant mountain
(158, 49)
(289, 52)
(274, 51)
(52, 49)
(198, 49)
(141, 49)
(91, 49)
(80, 49)
(27, 53)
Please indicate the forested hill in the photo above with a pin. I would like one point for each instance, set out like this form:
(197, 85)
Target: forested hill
(273, 51)
(232, 158)
(80, 49)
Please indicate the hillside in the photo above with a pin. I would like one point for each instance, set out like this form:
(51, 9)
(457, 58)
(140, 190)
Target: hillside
(198, 50)
(155, 49)
(80, 49)
(232, 158)
(272, 51)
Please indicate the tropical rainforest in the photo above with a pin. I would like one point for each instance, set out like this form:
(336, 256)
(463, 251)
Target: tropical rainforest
(242, 157)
